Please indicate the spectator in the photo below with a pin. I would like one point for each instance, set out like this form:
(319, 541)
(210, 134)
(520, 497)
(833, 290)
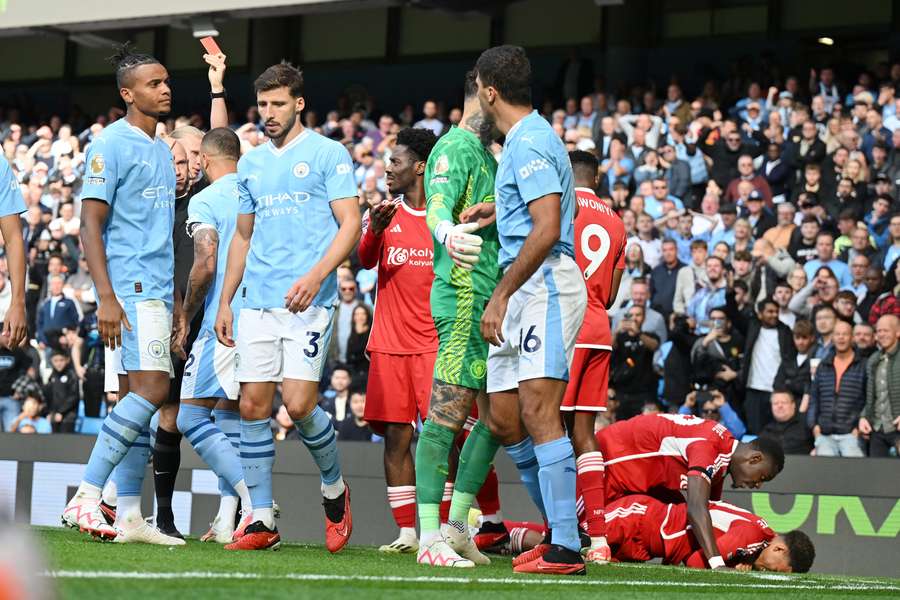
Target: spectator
(335, 399)
(709, 296)
(61, 394)
(860, 245)
(632, 374)
(617, 168)
(825, 258)
(859, 266)
(795, 376)
(892, 249)
(864, 339)
(779, 235)
(837, 398)
(716, 357)
(357, 359)
(713, 405)
(678, 173)
(661, 201)
(874, 285)
(725, 233)
(782, 295)
(343, 319)
(646, 238)
(777, 173)
(30, 420)
(691, 278)
(13, 365)
(788, 427)
(825, 318)
(663, 279)
(802, 247)
(725, 153)
(430, 120)
(56, 314)
(354, 428)
(887, 303)
(880, 420)
(651, 321)
(747, 173)
(768, 344)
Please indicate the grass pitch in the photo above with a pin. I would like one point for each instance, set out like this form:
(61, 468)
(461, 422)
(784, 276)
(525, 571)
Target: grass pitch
(81, 568)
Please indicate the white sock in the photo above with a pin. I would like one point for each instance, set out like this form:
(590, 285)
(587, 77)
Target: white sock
(265, 515)
(597, 542)
(333, 490)
(110, 492)
(227, 509)
(128, 508)
(429, 536)
(244, 493)
(86, 491)
(407, 533)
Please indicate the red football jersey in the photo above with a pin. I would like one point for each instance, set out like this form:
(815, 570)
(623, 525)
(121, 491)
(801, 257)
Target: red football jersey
(599, 251)
(637, 524)
(739, 535)
(404, 253)
(655, 454)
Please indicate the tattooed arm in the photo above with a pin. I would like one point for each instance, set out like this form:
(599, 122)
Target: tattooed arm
(203, 271)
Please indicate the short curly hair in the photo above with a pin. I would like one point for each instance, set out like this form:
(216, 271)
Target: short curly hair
(418, 141)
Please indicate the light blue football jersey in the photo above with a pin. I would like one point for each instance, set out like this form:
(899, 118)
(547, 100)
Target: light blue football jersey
(11, 201)
(135, 175)
(290, 190)
(534, 163)
(217, 205)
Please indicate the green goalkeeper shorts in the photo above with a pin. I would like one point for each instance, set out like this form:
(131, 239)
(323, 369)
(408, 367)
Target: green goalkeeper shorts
(462, 352)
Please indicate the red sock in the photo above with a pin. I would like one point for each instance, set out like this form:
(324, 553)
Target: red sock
(402, 499)
(489, 497)
(445, 501)
(591, 482)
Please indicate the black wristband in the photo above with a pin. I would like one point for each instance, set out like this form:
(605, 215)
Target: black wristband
(221, 94)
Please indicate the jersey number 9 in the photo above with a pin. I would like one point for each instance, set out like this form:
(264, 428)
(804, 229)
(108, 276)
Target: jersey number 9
(596, 256)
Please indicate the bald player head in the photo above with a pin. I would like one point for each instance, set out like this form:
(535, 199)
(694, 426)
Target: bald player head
(219, 153)
(190, 137)
(585, 169)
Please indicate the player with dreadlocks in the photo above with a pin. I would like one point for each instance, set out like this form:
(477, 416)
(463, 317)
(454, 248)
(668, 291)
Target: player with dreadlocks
(127, 217)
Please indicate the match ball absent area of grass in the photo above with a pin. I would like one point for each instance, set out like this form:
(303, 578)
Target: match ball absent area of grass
(80, 567)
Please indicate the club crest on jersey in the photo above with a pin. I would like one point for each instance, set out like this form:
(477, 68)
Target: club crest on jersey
(97, 164)
(442, 165)
(156, 348)
(301, 170)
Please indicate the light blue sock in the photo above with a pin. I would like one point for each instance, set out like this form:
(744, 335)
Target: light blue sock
(257, 458)
(317, 433)
(130, 472)
(523, 455)
(229, 421)
(557, 477)
(120, 429)
(209, 442)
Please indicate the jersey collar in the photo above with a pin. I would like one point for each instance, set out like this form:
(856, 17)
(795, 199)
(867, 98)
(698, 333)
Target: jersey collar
(411, 210)
(286, 147)
(586, 190)
(140, 132)
(509, 133)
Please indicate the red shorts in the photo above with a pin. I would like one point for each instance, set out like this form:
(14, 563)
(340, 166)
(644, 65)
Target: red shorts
(588, 380)
(399, 388)
(632, 528)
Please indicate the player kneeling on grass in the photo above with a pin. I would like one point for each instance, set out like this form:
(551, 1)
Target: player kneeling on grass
(209, 372)
(403, 344)
(640, 528)
(298, 220)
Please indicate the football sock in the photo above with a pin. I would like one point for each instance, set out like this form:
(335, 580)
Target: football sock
(318, 435)
(445, 501)
(591, 479)
(110, 494)
(432, 453)
(130, 472)
(229, 421)
(557, 481)
(257, 458)
(129, 506)
(402, 499)
(227, 509)
(475, 462)
(488, 498)
(166, 461)
(526, 461)
(213, 446)
(121, 427)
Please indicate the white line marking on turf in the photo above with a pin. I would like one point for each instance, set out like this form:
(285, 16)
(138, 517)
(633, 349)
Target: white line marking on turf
(489, 580)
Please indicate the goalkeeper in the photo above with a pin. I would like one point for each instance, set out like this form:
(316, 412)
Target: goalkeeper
(459, 176)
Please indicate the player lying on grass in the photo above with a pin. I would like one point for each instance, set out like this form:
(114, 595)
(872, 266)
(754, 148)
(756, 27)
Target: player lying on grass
(667, 454)
(640, 528)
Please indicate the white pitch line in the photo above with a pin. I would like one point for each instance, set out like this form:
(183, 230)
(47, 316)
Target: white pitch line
(461, 580)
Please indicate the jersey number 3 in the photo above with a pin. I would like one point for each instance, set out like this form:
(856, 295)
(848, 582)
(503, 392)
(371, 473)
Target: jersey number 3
(597, 255)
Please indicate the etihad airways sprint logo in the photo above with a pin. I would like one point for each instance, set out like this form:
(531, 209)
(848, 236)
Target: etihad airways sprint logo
(280, 204)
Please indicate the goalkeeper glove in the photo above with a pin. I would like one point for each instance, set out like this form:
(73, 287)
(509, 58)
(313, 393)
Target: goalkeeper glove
(462, 246)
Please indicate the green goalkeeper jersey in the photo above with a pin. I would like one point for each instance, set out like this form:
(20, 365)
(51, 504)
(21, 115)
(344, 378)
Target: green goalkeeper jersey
(459, 174)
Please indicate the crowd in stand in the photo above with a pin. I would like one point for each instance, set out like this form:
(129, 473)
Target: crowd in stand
(761, 278)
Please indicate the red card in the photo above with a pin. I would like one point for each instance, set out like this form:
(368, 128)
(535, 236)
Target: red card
(209, 43)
